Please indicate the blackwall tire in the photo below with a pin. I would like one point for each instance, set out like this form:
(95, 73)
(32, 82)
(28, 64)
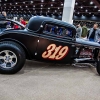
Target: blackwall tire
(98, 67)
(12, 57)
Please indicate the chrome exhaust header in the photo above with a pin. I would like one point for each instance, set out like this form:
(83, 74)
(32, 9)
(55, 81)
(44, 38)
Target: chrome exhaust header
(81, 59)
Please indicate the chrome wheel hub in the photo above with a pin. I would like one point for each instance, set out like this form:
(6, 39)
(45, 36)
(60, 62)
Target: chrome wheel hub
(8, 59)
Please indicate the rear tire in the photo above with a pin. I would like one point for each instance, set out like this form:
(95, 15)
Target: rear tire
(98, 67)
(12, 57)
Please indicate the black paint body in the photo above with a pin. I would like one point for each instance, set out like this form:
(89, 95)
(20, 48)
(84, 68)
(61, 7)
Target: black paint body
(35, 42)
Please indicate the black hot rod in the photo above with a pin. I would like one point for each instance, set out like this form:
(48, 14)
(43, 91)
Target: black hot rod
(45, 39)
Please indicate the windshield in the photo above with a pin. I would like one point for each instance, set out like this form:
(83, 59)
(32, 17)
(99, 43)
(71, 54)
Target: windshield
(9, 24)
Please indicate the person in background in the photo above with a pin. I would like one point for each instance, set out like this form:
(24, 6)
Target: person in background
(94, 33)
(22, 21)
(4, 14)
(84, 31)
(3, 23)
(78, 31)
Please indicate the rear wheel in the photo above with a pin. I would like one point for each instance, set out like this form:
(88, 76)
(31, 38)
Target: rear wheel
(98, 67)
(12, 57)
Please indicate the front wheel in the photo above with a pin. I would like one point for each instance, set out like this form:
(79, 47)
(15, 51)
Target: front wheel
(12, 57)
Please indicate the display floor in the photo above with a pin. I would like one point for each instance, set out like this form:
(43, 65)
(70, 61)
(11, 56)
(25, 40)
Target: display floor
(40, 81)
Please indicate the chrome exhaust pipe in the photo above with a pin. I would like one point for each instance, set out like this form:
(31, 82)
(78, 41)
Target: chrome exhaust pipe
(81, 59)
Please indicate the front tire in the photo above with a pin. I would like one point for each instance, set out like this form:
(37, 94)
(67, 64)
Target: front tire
(12, 57)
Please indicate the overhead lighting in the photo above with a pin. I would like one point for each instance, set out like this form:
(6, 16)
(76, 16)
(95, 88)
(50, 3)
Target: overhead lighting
(42, 0)
(76, 3)
(53, 0)
(78, 13)
(81, 7)
(86, 10)
(31, 1)
(90, 13)
(62, 4)
(51, 4)
(48, 8)
(58, 8)
(95, 6)
(41, 5)
(91, 2)
(99, 10)
(16, 3)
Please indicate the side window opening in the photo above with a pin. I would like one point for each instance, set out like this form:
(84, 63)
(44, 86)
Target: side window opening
(57, 30)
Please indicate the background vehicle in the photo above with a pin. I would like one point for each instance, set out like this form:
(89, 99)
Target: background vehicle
(48, 40)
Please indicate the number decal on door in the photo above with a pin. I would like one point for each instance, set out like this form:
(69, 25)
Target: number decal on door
(55, 53)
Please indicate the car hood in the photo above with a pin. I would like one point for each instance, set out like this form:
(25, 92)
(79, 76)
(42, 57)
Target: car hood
(87, 42)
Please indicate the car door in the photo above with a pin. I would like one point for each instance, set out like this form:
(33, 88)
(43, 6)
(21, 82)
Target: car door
(55, 44)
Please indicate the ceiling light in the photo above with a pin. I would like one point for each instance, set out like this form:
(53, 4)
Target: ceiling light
(58, 8)
(95, 6)
(42, 0)
(76, 3)
(41, 5)
(62, 4)
(51, 4)
(90, 13)
(53, 0)
(86, 10)
(16, 3)
(81, 7)
(31, 1)
(99, 10)
(91, 2)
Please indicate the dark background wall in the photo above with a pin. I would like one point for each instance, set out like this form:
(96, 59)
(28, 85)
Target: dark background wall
(85, 18)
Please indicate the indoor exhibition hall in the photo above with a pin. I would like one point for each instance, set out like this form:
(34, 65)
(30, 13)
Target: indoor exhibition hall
(49, 49)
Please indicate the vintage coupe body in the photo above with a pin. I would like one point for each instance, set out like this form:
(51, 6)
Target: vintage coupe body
(45, 39)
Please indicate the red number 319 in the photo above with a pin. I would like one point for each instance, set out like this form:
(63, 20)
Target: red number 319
(55, 53)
